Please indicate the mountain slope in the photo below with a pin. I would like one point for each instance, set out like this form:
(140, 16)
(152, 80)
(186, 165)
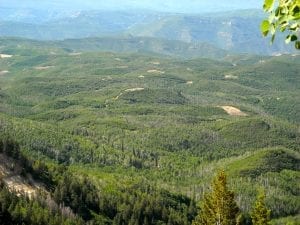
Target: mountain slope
(73, 24)
(236, 31)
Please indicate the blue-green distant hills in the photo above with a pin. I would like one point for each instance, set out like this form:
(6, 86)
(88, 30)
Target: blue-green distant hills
(236, 31)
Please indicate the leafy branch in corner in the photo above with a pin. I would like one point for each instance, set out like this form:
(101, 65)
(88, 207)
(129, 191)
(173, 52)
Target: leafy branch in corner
(284, 16)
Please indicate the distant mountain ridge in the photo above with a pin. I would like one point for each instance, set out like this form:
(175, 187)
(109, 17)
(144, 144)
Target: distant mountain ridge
(129, 44)
(71, 24)
(236, 31)
(34, 16)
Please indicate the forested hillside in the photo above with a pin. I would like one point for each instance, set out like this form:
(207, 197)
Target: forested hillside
(136, 138)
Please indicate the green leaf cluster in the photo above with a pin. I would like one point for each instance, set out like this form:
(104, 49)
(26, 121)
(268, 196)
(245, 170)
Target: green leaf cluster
(284, 16)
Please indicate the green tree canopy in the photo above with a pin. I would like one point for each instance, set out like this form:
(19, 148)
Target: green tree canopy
(219, 206)
(260, 214)
(284, 16)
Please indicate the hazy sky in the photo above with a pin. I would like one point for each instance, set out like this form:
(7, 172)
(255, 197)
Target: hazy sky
(192, 6)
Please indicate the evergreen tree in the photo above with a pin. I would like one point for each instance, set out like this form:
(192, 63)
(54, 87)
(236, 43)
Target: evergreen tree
(260, 214)
(219, 206)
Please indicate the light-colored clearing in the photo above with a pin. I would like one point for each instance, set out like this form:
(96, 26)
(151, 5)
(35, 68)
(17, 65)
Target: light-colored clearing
(9, 173)
(122, 67)
(43, 67)
(141, 76)
(134, 89)
(129, 90)
(117, 59)
(16, 184)
(232, 77)
(189, 69)
(107, 78)
(155, 63)
(233, 111)
(156, 71)
(75, 53)
(3, 72)
(5, 56)
(189, 82)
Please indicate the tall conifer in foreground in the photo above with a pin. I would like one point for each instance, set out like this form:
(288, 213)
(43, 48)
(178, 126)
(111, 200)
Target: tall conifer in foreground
(218, 206)
(260, 214)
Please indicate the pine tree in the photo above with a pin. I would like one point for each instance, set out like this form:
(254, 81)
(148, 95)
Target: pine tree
(219, 206)
(260, 214)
